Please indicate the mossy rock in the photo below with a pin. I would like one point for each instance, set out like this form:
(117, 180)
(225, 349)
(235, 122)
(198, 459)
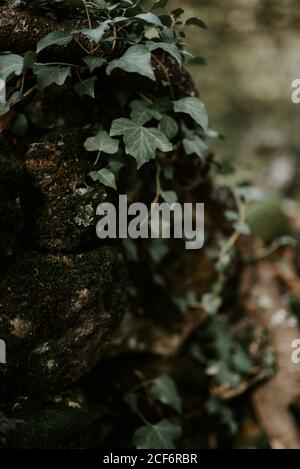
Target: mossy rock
(57, 313)
(267, 219)
(56, 421)
(11, 217)
(61, 200)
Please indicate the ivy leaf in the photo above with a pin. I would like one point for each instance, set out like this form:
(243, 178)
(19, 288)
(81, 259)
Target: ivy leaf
(169, 196)
(115, 165)
(197, 61)
(29, 60)
(105, 176)
(242, 361)
(102, 142)
(140, 142)
(196, 22)
(49, 74)
(171, 49)
(96, 34)
(195, 145)
(143, 112)
(164, 390)
(57, 38)
(137, 59)
(159, 4)
(10, 64)
(5, 107)
(166, 20)
(159, 436)
(86, 87)
(149, 18)
(194, 108)
(177, 13)
(211, 303)
(131, 400)
(169, 127)
(93, 62)
(158, 250)
(242, 228)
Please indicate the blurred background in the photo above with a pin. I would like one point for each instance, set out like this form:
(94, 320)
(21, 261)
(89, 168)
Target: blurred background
(252, 48)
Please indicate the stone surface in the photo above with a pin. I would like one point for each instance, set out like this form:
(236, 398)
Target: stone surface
(11, 217)
(60, 201)
(57, 313)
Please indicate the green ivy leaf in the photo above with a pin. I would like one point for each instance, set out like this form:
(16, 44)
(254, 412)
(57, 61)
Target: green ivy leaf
(166, 20)
(143, 112)
(197, 61)
(165, 391)
(158, 250)
(159, 4)
(13, 99)
(102, 142)
(115, 165)
(29, 60)
(177, 13)
(196, 22)
(137, 59)
(10, 64)
(169, 127)
(171, 49)
(57, 38)
(211, 303)
(86, 87)
(242, 361)
(195, 145)
(96, 34)
(105, 176)
(93, 62)
(195, 108)
(49, 74)
(159, 436)
(140, 142)
(131, 400)
(149, 18)
(169, 196)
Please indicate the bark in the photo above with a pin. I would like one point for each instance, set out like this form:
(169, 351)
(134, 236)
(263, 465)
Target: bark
(264, 302)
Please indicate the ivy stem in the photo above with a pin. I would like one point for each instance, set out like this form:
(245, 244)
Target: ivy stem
(62, 63)
(82, 46)
(235, 236)
(87, 14)
(166, 73)
(98, 158)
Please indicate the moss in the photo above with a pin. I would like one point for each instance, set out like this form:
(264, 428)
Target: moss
(11, 218)
(57, 313)
(48, 429)
(267, 219)
(60, 202)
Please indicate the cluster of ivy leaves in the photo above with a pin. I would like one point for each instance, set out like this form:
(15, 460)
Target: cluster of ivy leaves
(150, 125)
(163, 434)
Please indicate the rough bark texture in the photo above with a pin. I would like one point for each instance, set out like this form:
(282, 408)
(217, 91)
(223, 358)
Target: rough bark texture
(262, 298)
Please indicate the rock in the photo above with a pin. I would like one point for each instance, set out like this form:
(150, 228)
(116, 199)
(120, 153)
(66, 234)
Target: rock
(11, 218)
(60, 202)
(57, 313)
(57, 421)
(267, 219)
